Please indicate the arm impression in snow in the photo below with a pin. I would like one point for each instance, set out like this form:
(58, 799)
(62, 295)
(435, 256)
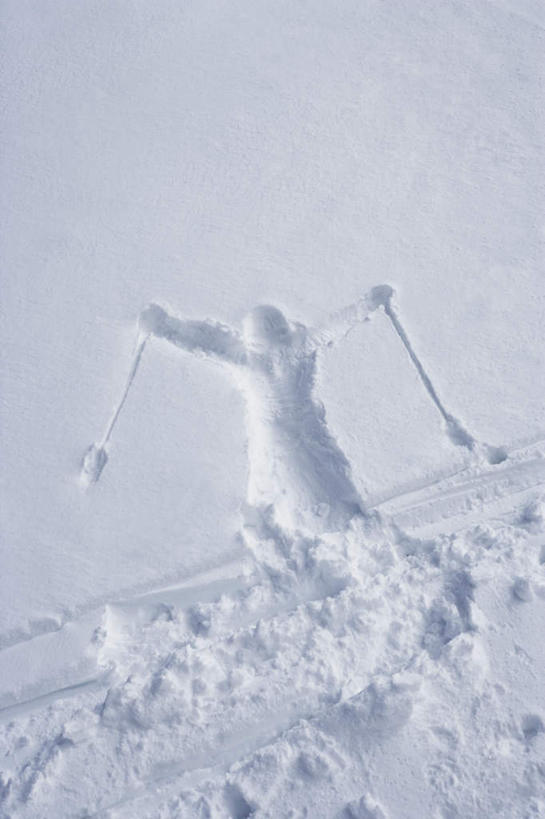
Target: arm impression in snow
(206, 337)
(339, 324)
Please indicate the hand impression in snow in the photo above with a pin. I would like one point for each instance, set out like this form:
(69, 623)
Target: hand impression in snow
(296, 467)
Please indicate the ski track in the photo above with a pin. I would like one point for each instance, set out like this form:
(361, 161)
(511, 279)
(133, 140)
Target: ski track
(413, 509)
(23, 707)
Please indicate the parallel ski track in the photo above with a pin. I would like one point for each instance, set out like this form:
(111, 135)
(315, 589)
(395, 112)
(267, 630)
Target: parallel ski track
(454, 496)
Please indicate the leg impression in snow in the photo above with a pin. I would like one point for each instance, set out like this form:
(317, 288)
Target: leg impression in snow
(296, 468)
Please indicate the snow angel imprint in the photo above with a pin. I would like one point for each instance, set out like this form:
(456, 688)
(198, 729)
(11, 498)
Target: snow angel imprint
(296, 469)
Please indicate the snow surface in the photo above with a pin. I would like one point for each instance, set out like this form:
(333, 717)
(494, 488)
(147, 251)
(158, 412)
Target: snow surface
(273, 409)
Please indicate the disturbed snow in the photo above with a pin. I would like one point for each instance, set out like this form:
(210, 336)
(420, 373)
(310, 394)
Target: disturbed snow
(353, 674)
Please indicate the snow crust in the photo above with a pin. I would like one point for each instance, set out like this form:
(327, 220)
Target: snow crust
(273, 410)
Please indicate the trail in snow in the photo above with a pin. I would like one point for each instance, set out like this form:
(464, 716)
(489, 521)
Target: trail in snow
(454, 428)
(96, 457)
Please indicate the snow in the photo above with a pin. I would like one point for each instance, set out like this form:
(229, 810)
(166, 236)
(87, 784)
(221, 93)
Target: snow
(273, 539)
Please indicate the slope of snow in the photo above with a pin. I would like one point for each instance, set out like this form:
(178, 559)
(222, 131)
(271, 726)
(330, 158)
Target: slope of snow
(305, 575)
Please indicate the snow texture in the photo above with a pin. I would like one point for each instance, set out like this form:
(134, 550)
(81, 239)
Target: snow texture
(273, 416)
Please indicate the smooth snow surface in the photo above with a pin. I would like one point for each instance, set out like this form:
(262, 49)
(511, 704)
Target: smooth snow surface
(273, 410)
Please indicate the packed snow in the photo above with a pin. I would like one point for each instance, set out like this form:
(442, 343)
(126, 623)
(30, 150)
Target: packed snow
(273, 416)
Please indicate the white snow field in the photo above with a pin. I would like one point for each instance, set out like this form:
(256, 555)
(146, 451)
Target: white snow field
(273, 409)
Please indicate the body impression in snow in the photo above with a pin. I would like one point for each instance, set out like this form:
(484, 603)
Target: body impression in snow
(296, 467)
